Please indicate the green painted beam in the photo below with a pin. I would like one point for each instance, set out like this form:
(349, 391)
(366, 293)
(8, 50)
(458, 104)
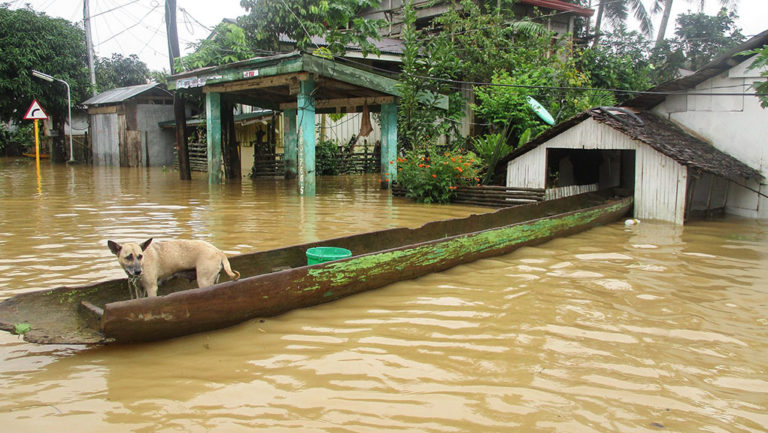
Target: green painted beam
(305, 121)
(358, 77)
(253, 68)
(290, 142)
(388, 144)
(213, 127)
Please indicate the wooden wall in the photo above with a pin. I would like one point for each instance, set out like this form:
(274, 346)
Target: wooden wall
(660, 182)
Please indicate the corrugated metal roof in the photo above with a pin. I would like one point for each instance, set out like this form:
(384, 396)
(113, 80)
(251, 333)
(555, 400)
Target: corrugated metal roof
(120, 94)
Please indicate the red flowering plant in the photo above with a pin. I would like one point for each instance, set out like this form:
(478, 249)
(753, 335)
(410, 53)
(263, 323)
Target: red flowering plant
(433, 176)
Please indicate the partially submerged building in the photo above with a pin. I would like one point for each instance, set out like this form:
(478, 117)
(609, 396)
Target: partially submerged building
(689, 146)
(673, 174)
(124, 126)
(718, 105)
(300, 85)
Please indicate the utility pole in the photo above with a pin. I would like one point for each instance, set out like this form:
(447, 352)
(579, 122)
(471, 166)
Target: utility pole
(178, 101)
(89, 44)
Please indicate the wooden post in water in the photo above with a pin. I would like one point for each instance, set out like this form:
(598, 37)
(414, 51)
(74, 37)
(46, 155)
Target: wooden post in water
(229, 151)
(179, 105)
(306, 137)
(289, 143)
(213, 127)
(388, 144)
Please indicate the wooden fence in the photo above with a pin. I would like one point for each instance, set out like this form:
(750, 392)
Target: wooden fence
(268, 164)
(198, 157)
(493, 196)
(567, 191)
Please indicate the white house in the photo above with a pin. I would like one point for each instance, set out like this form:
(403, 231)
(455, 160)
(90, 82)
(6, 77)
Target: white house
(693, 145)
(672, 174)
(715, 104)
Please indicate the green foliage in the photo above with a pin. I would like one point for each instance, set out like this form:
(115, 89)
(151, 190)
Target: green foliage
(57, 48)
(120, 71)
(335, 20)
(327, 156)
(701, 37)
(761, 62)
(13, 140)
(621, 60)
(228, 44)
(432, 176)
(504, 102)
(419, 122)
(491, 148)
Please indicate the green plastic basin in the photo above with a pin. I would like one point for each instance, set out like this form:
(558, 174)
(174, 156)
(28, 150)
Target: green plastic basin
(326, 254)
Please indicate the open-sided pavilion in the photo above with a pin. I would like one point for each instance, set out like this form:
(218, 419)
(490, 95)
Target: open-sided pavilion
(300, 85)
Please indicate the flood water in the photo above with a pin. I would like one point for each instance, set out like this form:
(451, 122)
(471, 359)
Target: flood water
(619, 329)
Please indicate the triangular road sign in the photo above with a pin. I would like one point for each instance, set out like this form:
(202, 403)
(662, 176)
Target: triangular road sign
(35, 111)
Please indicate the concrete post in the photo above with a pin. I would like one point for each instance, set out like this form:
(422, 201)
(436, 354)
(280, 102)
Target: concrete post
(213, 128)
(289, 143)
(305, 120)
(388, 144)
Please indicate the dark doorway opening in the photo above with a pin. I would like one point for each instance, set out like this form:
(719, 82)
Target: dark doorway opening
(605, 168)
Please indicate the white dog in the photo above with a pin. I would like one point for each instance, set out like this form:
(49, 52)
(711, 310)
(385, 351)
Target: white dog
(153, 263)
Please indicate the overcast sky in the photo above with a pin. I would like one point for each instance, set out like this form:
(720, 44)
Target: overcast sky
(138, 26)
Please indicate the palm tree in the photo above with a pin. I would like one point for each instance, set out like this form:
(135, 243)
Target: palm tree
(617, 11)
(668, 11)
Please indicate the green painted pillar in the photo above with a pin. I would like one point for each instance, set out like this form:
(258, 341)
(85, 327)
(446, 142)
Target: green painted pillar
(213, 128)
(305, 121)
(388, 144)
(289, 142)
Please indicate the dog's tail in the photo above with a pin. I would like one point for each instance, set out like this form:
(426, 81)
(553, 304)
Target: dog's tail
(228, 269)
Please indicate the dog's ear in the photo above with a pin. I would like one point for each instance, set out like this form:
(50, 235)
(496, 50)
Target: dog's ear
(114, 247)
(146, 244)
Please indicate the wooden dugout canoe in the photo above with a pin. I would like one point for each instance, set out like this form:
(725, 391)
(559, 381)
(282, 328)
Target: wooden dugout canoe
(276, 281)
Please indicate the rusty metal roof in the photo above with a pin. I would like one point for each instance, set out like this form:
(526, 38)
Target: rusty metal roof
(661, 134)
(121, 94)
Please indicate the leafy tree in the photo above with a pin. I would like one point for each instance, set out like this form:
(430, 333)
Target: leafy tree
(58, 49)
(421, 83)
(701, 37)
(667, 11)
(617, 12)
(300, 20)
(120, 71)
(761, 61)
(620, 61)
(228, 44)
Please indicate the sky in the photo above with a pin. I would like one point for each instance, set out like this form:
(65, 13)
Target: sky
(138, 26)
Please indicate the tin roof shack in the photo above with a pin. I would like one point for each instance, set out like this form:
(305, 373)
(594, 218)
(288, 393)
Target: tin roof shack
(673, 174)
(718, 104)
(124, 126)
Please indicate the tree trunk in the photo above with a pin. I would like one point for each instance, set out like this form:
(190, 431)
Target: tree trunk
(664, 22)
(598, 22)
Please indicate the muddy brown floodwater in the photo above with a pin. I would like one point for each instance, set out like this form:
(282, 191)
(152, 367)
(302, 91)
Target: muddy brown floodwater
(619, 329)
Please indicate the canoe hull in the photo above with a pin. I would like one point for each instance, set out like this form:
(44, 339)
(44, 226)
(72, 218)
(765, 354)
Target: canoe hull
(380, 258)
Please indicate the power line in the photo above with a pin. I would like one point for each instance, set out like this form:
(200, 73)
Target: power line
(113, 9)
(126, 29)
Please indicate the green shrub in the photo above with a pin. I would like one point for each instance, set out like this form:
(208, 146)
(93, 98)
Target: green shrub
(432, 177)
(327, 158)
